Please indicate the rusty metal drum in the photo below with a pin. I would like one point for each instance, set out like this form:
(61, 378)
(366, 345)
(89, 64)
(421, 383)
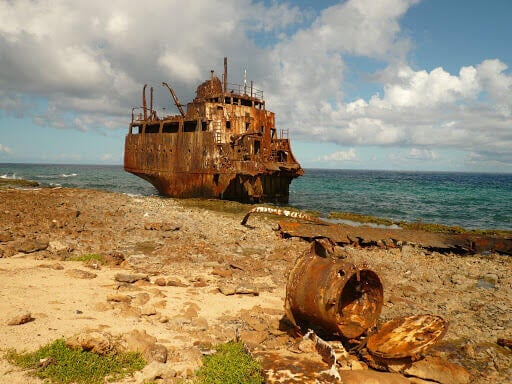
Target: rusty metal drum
(333, 294)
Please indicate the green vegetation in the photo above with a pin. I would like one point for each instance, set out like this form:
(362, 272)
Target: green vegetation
(231, 364)
(75, 366)
(88, 257)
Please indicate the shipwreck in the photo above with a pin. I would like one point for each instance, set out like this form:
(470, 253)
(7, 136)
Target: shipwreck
(223, 145)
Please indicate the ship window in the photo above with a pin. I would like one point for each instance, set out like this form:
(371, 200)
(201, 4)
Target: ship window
(228, 124)
(282, 156)
(247, 126)
(152, 128)
(136, 129)
(219, 108)
(247, 103)
(227, 100)
(235, 101)
(262, 129)
(204, 126)
(189, 126)
(171, 127)
(256, 147)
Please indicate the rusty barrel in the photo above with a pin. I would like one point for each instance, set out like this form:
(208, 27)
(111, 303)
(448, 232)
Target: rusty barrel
(333, 294)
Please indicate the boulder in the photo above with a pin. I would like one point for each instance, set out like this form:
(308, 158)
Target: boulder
(439, 370)
(5, 236)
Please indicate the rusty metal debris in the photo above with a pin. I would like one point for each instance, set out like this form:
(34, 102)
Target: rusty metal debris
(344, 299)
(467, 243)
(408, 336)
(223, 145)
(335, 295)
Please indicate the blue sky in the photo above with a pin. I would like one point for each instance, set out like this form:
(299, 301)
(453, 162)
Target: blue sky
(360, 84)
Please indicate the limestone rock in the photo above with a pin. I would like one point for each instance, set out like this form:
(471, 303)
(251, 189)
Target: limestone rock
(138, 341)
(175, 282)
(372, 377)
(5, 236)
(92, 341)
(119, 298)
(79, 274)
(439, 370)
(141, 299)
(156, 352)
(21, 319)
(130, 278)
(30, 246)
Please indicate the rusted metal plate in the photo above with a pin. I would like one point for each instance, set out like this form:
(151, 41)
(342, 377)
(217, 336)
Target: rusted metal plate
(388, 237)
(408, 336)
(335, 295)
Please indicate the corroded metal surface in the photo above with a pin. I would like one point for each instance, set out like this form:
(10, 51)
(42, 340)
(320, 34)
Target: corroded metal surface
(386, 237)
(224, 145)
(408, 336)
(333, 294)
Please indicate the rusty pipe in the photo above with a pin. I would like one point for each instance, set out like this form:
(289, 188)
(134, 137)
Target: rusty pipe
(225, 75)
(144, 105)
(333, 294)
(151, 103)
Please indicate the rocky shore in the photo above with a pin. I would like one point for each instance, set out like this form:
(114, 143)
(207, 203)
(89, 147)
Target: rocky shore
(174, 278)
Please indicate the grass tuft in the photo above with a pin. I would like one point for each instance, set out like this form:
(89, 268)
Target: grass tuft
(88, 257)
(231, 364)
(76, 366)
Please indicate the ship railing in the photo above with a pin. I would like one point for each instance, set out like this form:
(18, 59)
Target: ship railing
(245, 89)
(283, 134)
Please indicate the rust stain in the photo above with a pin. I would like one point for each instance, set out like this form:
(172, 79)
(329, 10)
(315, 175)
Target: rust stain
(223, 145)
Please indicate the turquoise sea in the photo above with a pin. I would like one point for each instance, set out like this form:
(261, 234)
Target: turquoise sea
(470, 200)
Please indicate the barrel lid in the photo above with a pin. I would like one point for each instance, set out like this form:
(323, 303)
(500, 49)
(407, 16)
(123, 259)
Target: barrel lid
(407, 336)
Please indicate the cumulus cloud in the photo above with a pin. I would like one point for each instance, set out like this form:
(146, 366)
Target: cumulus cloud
(82, 65)
(340, 156)
(5, 149)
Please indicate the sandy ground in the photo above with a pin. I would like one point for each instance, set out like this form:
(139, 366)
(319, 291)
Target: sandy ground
(195, 259)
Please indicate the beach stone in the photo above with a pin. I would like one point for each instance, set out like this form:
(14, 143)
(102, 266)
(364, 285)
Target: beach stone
(160, 282)
(57, 246)
(138, 341)
(5, 236)
(148, 310)
(119, 298)
(21, 319)
(175, 282)
(130, 278)
(31, 246)
(156, 352)
(79, 274)
(227, 290)
(141, 298)
(247, 290)
(372, 377)
(439, 370)
(222, 272)
(92, 341)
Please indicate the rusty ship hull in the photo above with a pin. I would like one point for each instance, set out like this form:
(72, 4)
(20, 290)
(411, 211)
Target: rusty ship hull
(224, 145)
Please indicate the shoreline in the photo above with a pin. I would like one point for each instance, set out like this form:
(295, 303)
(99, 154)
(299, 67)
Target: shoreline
(196, 259)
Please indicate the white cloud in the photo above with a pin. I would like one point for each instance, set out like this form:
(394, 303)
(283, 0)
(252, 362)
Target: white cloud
(5, 149)
(82, 65)
(341, 156)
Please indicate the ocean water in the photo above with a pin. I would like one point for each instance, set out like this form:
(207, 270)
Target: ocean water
(470, 200)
